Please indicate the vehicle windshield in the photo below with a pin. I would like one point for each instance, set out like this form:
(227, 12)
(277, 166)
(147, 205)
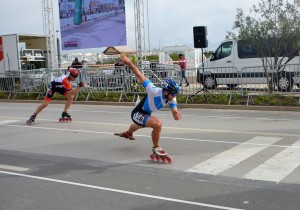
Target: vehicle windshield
(223, 51)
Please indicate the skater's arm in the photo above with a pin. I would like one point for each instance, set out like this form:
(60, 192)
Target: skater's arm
(176, 114)
(75, 90)
(125, 60)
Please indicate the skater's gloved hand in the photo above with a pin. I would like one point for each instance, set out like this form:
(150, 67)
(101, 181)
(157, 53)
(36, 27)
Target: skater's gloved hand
(125, 60)
(176, 114)
(81, 84)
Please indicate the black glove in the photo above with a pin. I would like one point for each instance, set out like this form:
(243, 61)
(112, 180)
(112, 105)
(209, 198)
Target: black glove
(81, 84)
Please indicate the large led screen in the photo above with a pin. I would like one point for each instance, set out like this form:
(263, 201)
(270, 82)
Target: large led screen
(92, 23)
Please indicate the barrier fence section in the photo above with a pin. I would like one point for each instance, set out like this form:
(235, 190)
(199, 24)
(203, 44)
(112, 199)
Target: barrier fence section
(269, 79)
(247, 82)
(8, 83)
(111, 79)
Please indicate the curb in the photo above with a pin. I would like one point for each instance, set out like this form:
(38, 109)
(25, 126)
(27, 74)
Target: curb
(180, 106)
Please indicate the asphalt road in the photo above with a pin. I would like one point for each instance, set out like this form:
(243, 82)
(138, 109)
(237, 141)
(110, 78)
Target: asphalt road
(223, 159)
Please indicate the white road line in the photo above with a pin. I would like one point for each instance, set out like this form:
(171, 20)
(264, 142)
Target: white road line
(233, 156)
(173, 128)
(162, 137)
(277, 167)
(120, 191)
(163, 114)
(13, 168)
(3, 122)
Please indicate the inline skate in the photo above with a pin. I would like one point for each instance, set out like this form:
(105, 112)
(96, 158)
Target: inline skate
(125, 135)
(31, 119)
(159, 155)
(65, 117)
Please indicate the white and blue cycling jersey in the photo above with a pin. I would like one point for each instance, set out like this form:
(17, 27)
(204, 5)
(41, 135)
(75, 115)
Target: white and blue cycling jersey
(156, 99)
(153, 101)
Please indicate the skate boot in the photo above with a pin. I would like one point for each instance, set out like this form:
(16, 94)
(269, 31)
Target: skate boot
(65, 117)
(125, 135)
(159, 155)
(31, 119)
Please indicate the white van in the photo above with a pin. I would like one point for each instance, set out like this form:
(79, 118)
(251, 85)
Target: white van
(234, 63)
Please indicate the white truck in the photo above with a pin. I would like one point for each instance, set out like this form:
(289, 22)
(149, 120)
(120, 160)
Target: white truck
(20, 52)
(234, 63)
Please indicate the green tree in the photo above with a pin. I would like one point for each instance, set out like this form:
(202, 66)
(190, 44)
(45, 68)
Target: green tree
(272, 28)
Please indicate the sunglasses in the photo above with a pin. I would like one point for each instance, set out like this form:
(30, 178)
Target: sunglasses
(171, 94)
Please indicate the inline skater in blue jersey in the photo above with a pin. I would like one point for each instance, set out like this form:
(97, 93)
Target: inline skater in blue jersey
(155, 99)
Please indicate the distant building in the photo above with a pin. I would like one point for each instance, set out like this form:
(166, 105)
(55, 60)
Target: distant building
(119, 50)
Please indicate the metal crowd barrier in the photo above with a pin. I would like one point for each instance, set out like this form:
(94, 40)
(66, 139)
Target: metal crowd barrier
(115, 79)
(271, 79)
(284, 79)
(8, 83)
(248, 81)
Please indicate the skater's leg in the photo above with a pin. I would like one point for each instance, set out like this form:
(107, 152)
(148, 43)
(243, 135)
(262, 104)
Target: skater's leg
(133, 127)
(129, 133)
(41, 107)
(37, 111)
(156, 126)
(70, 98)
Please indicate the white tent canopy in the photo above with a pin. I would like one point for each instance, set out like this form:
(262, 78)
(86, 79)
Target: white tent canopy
(193, 56)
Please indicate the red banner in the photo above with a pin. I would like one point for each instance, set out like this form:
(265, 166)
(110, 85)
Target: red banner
(1, 49)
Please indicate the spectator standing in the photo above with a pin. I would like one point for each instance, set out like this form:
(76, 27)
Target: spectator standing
(76, 64)
(182, 64)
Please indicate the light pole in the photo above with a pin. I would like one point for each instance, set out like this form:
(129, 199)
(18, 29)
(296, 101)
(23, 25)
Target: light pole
(58, 49)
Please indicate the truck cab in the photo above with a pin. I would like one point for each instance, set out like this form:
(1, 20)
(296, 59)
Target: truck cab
(32, 59)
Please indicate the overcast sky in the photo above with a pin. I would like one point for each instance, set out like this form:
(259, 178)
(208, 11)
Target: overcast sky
(171, 22)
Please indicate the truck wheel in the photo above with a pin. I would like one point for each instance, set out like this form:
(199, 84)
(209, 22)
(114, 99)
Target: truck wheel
(209, 82)
(285, 82)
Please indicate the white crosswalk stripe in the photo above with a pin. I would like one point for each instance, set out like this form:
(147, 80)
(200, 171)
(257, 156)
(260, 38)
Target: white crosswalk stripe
(233, 156)
(279, 166)
(13, 168)
(3, 122)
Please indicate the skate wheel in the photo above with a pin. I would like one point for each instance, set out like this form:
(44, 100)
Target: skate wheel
(70, 119)
(168, 159)
(158, 158)
(67, 120)
(60, 120)
(152, 157)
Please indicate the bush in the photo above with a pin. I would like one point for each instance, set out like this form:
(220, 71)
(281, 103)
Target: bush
(222, 99)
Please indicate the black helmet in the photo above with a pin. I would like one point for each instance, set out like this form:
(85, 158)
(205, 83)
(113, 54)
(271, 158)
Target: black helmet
(171, 86)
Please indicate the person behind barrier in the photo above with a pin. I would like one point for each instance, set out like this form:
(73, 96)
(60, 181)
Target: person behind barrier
(156, 98)
(63, 86)
(182, 64)
(76, 64)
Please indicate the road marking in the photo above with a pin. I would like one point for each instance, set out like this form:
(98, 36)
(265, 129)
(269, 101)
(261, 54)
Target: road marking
(173, 128)
(163, 114)
(13, 168)
(233, 156)
(162, 137)
(277, 167)
(3, 122)
(120, 191)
